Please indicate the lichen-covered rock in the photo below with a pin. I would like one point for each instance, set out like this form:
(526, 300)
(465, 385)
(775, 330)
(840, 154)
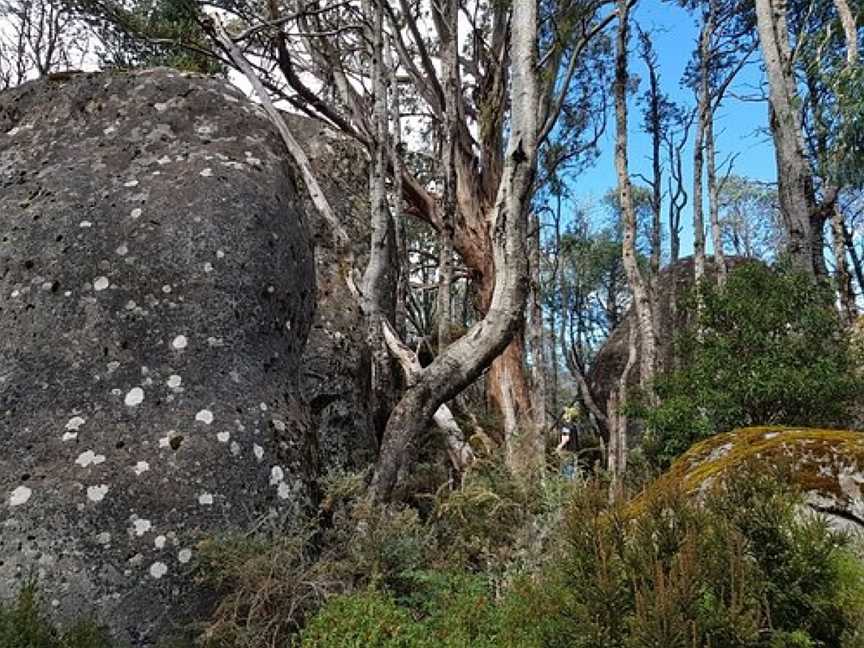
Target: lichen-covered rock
(826, 465)
(336, 363)
(156, 290)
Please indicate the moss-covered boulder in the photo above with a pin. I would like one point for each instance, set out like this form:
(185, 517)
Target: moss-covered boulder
(826, 465)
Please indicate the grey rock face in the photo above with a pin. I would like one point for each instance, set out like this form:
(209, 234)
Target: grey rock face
(335, 365)
(156, 291)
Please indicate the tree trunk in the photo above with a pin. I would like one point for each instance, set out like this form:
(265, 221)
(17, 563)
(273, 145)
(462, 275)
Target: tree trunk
(464, 360)
(795, 178)
(641, 297)
(617, 454)
(850, 31)
(379, 285)
(452, 90)
(537, 346)
(857, 266)
(848, 308)
(714, 200)
(703, 109)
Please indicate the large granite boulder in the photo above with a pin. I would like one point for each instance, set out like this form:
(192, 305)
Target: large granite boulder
(827, 466)
(156, 291)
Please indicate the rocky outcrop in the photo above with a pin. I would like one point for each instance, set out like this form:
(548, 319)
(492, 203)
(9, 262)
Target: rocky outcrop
(156, 290)
(827, 466)
(335, 375)
(675, 286)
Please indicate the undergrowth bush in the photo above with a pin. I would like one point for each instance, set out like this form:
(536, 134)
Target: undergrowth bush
(23, 624)
(497, 565)
(768, 348)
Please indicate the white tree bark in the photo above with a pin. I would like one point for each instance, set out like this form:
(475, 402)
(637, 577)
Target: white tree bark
(850, 29)
(638, 287)
(703, 110)
(464, 360)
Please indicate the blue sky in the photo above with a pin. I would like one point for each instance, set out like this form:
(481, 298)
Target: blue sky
(739, 125)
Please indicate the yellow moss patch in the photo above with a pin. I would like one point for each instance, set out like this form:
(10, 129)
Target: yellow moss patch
(827, 463)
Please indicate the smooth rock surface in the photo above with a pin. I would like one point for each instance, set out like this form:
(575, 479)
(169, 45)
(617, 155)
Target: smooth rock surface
(156, 291)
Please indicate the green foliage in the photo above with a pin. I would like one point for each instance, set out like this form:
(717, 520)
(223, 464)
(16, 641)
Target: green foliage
(497, 564)
(149, 33)
(364, 619)
(24, 625)
(768, 348)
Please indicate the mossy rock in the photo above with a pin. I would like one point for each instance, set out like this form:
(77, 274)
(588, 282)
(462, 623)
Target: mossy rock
(826, 465)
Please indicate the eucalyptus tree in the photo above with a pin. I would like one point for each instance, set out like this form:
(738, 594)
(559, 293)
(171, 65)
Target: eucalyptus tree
(726, 43)
(787, 31)
(520, 73)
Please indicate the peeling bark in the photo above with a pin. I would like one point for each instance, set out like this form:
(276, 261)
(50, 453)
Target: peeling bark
(464, 360)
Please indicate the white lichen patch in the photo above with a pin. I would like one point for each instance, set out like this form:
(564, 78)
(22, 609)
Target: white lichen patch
(719, 452)
(208, 172)
(174, 381)
(166, 289)
(184, 556)
(276, 475)
(134, 396)
(159, 541)
(131, 183)
(103, 538)
(97, 493)
(180, 342)
(220, 254)
(85, 224)
(88, 457)
(204, 416)
(205, 499)
(224, 437)
(141, 467)
(100, 283)
(284, 490)
(141, 526)
(258, 451)
(135, 213)
(75, 423)
(158, 569)
(19, 496)
(208, 267)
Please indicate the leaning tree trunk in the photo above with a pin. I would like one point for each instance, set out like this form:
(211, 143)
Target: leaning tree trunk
(464, 360)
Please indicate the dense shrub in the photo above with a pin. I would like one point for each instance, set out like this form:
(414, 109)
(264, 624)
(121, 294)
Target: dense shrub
(745, 569)
(768, 348)
(23, 624)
